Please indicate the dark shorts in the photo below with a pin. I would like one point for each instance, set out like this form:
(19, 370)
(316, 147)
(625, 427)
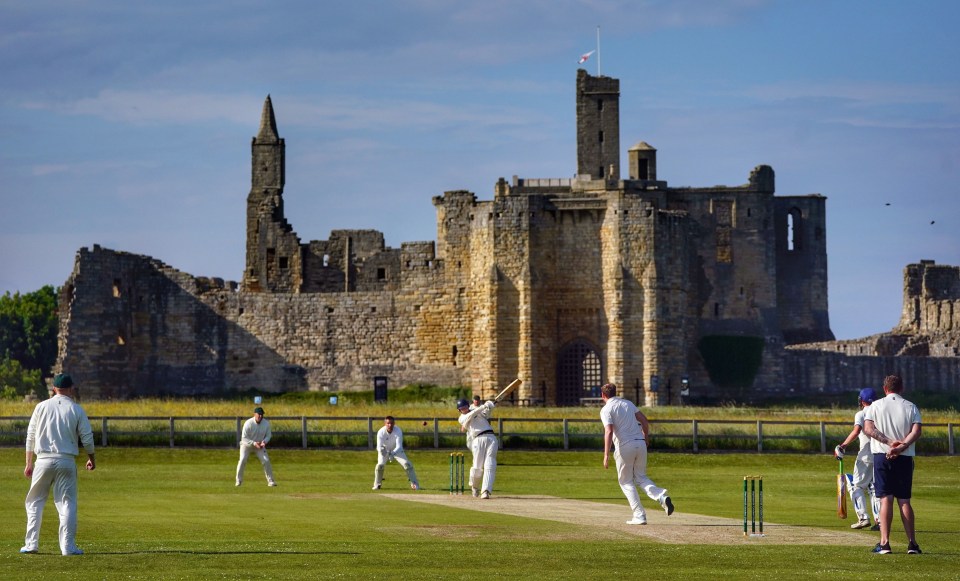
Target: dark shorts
(893, 477)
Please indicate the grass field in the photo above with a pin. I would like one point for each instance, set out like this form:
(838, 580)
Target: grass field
(175, 514)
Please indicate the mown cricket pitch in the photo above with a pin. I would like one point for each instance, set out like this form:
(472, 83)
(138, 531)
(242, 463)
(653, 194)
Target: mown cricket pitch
(678, 528)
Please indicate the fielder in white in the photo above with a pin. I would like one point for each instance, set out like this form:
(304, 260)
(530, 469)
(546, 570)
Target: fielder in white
(389, 448)
(627, 429)
(483, 444)
(254, 438)
(860, 484)
(53, 433)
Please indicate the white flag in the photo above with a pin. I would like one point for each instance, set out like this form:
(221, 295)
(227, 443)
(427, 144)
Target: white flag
(584, 57)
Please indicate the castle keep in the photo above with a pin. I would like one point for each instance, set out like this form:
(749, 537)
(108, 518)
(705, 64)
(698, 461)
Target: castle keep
(565, 283)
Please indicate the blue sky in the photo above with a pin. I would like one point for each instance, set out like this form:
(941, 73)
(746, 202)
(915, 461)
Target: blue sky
(128, 124)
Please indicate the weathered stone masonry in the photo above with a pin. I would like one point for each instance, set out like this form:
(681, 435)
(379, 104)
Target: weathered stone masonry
(565, 283)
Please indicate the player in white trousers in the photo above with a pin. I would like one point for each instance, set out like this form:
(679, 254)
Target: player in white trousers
(860, 483)
(390, 447)
(483, 444)
(56, 428)
(254, 438)
(627, 429)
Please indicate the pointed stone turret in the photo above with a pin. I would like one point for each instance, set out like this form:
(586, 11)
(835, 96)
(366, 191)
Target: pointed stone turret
(265, 220)
(268, 124)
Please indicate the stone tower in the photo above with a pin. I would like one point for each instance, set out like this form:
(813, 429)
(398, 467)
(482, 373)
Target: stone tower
(273, 260)
(598, 126)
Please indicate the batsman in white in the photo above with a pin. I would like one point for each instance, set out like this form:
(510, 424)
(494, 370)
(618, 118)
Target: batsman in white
(860, 484)
(52, 434)
(483, 444)
(627, 429)
(254, 438)
(390, 448)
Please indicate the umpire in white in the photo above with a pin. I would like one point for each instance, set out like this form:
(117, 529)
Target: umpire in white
(55, 428)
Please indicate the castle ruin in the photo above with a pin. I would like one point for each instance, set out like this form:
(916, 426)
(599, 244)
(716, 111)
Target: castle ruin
(566, 283)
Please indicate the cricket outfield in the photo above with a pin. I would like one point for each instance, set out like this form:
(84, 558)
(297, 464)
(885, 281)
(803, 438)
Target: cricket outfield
(175, 514)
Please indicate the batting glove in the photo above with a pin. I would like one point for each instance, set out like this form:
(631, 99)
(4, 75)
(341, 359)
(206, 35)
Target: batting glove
(838, 452)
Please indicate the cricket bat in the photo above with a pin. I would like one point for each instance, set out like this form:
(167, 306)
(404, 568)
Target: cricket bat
(507, 390)
(841, 493)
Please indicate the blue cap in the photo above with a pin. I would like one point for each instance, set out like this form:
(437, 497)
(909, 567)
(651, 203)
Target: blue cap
(868, 395)
(462, 403)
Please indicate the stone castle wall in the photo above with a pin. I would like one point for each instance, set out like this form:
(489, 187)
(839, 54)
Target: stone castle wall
(564, 283)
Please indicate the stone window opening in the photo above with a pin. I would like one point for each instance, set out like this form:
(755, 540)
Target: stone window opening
(716, 310)
(454, 355)
(373, 309)
(794, 241)
(599, 104)
(116, 288)
(381, 273)
(284, 263)
(600, 136)
(240, 312)
(329, 310)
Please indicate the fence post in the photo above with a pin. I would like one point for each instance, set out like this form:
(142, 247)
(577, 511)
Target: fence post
(759, 435)
(172, 432)
(103, 432)
(696, 444)
(566, 434)
(303, 430)
(239, 430)
(823, 438)
(500, 432)
(370, 433)
(950, 448)
(436, 433)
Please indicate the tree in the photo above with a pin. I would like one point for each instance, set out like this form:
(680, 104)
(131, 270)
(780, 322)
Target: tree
(28, 329)
(16, 382)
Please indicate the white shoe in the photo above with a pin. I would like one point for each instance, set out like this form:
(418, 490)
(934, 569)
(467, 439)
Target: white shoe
(28, 550)
(860, 524)
(637, 521)
(485, 495)
(414, 486)
(271, 483)
(376, 487)
(73, 552)
(239, 482)
(474, 492)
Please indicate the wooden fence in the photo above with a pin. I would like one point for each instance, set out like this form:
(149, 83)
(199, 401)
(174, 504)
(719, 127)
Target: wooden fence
(355, 432)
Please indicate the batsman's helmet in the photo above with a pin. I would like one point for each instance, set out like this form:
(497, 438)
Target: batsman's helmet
(868, 395)
(462, 403)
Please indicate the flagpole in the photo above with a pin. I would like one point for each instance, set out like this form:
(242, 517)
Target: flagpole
(598, 51)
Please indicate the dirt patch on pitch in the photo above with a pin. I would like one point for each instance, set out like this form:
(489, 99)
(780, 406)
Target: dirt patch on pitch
(678, 528)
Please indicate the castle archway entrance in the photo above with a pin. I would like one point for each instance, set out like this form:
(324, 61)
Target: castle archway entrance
(579, 373)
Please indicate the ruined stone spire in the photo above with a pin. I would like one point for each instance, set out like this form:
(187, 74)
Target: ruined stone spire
(268, 124)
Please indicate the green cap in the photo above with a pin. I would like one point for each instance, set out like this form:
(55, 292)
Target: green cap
(62, 381)
(258, 411)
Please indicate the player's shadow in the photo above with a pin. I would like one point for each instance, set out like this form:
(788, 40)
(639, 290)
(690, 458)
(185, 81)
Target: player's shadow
(200, 552)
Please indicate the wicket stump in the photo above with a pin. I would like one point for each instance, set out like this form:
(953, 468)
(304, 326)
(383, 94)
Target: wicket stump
(756, 485)
(457, 473)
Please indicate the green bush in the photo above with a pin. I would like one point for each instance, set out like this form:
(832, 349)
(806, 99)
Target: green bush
(16, 382)
(731, 361)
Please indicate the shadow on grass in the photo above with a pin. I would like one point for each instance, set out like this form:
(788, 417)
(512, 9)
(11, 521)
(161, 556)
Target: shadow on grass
(199, 552)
